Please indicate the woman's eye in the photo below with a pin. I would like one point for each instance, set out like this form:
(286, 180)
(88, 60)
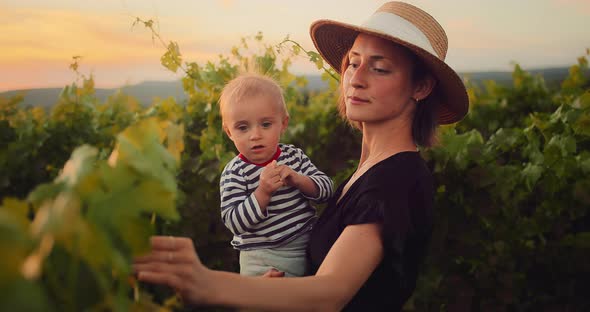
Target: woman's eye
(380, 70)
(353, 65)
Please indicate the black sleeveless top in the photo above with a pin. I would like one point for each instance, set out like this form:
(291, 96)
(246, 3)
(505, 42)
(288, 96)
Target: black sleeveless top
(398, 193)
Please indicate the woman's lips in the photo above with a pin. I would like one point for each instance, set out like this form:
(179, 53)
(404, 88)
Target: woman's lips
(355, 100)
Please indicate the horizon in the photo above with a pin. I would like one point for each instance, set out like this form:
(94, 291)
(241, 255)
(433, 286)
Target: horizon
(318, 74)
(41, 38)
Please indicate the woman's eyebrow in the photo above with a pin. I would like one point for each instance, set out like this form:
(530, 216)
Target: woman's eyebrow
(372, 57)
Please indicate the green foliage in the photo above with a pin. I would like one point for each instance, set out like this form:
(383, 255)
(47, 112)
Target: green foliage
(69, 245)
(512, 202)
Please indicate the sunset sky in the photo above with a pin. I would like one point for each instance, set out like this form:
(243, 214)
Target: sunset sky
(38, 38)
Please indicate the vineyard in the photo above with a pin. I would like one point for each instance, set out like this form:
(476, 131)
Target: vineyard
(84, 184)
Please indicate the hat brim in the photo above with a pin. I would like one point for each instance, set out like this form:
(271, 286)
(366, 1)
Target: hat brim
(334, 39)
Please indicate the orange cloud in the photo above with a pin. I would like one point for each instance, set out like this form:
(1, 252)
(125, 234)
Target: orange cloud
(582, 6)
(227, 3)
(37, 47)
(57, 35)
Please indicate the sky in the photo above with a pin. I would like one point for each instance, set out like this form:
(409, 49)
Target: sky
(38, 38)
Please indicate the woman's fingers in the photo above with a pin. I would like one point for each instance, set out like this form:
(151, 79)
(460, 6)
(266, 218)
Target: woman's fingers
(171, 243)
(162, 278)
(166, 257)
(173, 262)
(273, 273)
(181, 270)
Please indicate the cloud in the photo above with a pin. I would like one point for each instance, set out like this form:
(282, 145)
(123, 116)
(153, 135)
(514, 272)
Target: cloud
(57, 34)
(43, 42)
(227, 3)
(580, 6)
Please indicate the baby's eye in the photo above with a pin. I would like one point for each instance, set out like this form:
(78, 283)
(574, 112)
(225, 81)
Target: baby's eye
(242, 128)
(266, 124)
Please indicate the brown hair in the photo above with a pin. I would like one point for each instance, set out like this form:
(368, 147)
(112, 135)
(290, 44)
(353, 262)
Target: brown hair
(424, 122)
(250, 85)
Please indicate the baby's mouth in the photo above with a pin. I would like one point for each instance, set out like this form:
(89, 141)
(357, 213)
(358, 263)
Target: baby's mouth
(257, 147)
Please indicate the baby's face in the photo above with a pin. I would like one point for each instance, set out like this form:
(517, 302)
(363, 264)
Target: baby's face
(255, 125)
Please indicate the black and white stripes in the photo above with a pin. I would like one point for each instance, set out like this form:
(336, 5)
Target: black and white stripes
(289, 212)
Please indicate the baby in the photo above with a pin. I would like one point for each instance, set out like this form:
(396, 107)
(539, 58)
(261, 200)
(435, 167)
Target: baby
(266, 189)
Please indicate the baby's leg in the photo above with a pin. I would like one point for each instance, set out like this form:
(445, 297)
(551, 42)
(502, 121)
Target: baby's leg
(253, 262)
(289, 258)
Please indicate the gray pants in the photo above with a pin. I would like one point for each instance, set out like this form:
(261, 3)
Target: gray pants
(289, 258)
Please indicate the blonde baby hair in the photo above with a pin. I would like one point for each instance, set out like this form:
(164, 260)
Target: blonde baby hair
(248, 85)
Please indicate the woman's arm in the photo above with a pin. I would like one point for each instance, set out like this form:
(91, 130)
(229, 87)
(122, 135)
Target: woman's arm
(349, 263)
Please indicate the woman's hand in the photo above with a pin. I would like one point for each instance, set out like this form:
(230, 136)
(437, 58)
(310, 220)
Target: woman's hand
(274, 273)
(174, 262)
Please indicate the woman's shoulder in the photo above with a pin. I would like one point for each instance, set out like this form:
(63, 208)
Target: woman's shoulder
(403, 167)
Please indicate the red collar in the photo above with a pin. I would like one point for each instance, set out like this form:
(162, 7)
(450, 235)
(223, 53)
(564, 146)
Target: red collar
(274, 157)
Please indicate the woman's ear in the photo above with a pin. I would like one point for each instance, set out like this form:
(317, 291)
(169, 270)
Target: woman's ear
(424, 87)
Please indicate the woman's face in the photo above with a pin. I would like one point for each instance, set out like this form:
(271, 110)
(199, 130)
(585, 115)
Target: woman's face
(377, 84)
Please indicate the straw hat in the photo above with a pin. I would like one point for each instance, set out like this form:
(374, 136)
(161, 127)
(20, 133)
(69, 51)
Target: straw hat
(411, 27)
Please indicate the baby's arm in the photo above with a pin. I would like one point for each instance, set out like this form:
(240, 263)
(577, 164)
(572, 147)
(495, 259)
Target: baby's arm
(304, 183)
(313, 183)
(240, 211)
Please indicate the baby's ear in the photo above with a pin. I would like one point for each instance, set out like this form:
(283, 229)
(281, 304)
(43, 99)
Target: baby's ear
(284, 124)
(226, 130)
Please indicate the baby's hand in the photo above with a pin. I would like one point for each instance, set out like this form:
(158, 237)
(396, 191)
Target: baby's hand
(288, 176)
(270, 179)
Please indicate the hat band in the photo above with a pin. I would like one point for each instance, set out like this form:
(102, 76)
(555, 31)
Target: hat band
(382, 22)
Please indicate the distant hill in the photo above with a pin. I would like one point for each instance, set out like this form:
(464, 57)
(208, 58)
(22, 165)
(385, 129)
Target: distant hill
(145, 92)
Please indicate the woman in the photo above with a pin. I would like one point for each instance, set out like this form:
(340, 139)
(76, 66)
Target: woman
(367, 245)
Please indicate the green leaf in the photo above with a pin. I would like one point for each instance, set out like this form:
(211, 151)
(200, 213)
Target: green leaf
(175, 141)
(172, 58)
(583, 160)
(45, 191)
(93, 246)
(135, 232)
(319, 63)
(17, 210)
(23, 295)
(582, 125)
(80, 164)
(140, 148)
(531, 174)
(578, 240)
(580, 191)
(559, 146)
(15, 244)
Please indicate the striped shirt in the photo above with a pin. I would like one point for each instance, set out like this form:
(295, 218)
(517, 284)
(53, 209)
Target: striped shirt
(289, 212)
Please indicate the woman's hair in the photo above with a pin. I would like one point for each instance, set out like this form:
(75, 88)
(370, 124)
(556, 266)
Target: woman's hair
(249, 85)
(424, 122)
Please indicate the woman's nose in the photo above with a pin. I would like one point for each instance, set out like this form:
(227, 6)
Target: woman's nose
(358, 77)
